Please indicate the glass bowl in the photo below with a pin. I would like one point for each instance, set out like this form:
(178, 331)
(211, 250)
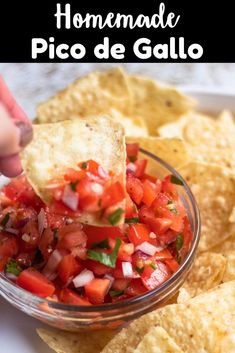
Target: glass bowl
(78, 318)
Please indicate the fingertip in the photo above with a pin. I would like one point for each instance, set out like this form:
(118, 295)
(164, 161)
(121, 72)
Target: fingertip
(10, 166)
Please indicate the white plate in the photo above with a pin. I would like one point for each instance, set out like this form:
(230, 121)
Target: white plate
(17, 330)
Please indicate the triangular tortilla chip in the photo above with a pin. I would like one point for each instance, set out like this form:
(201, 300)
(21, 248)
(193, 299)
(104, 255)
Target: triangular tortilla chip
(204, 324)
(157, 340)
(58, 146)
(156, 103)
(83, 342)
(93, 94)
(172, 151)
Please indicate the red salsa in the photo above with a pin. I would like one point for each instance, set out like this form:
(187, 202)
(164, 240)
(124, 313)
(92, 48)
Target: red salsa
(45, 250)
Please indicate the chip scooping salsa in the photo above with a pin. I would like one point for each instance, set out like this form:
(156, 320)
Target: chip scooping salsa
(47, 251)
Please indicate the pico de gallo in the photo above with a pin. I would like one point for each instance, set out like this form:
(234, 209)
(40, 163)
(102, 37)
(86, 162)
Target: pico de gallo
(45, 250)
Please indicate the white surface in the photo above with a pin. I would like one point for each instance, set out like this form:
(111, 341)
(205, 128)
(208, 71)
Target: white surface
(17, 330)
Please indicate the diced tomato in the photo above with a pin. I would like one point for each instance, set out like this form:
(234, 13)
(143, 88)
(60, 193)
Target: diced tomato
(19, 190)
(132, 150)
(33, 281)
(117, 272)
(46, 243)
(89, 193)
(90, 166)
(97, 267)
(187, 237)
(68, 296)
(138, 233)
(113, 194)
(136, 287)
(30, 237)
(74, 176)
(97, 289)
(54, 221)
(150, 192)
(172, 264)
(58, 208)
(157, 225)
(131, 209)
(97, 234)
(134, 188)
(120, 284)
(3, 261)
(140, 167)
(151, 178)
(163, 255)
(152, 278)
(169, 188)
(8, 245)
(68, 268)
(71, 236)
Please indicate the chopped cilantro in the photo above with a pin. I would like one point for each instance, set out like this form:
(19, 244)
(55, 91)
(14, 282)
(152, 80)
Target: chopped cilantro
(132, 220)
(106, 259)
(179, 242)
(176, 180)
(140, 270)
(171, 207)
(153, 265)
(84, 165)
(5, 220)
(115, 293)
(115, 217)
(13, 267)
(104, 244)
(73, 185)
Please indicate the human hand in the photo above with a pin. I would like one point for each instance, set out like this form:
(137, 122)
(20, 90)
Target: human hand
(15, 132)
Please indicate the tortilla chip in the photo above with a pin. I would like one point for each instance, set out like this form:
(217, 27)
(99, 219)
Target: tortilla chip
(94, 94)
(229, 274)
(157, 340)
(227, 245)
(84, 342)
(214, 190)
(204, 324)
(132, 126)
(207, 272)
(156, 103)
(173, 151)
(208, 139)
(58, 146)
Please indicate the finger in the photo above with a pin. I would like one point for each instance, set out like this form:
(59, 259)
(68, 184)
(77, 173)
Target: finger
(10, 166)
(26, 133)
(9, 134)
(7, 99)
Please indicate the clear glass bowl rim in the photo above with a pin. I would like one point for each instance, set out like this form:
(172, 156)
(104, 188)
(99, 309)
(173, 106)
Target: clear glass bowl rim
(137, 299)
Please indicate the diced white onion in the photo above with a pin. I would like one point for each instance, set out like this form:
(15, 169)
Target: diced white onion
(102, 172)
(11, 276)
(41, 221)
(70, 198)
(26, 237)
(148, 248)
(131, 167)
(97, 188)
(12, 231)
(52, 263)
(127, 269)
(83, 278)
(152, 235)
(111, 279)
